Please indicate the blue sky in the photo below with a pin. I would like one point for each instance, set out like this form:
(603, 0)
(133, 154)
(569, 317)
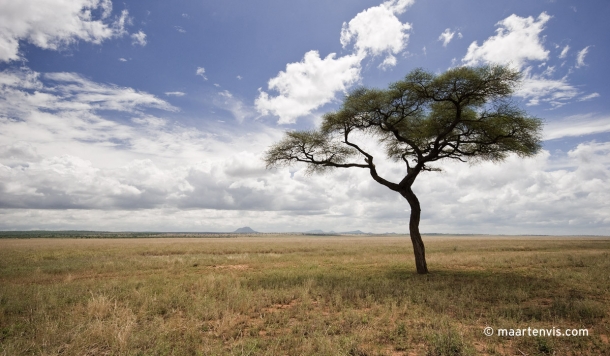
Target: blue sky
(155, 115)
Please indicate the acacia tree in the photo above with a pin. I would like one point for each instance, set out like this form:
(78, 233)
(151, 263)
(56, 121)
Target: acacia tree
(464, 114)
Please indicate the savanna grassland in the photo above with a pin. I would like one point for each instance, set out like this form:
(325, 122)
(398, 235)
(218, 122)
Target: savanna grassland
(301, 295)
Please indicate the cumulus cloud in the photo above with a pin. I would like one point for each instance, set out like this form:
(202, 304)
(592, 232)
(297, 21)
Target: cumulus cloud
(201, 72)
(580, 57)
(531, 194)
(377, 30)
(307, 85)
(18, 152)
(139, 38)
(515, 197)
(174, 93)
(446, 36)
(237, 182)
(517, 41)
(313, 82)
(50, 184)
(51, 24)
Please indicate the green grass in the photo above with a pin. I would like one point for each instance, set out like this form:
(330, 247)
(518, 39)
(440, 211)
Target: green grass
(301, 295)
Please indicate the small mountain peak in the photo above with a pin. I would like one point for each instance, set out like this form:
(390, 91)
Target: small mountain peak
(245, 230)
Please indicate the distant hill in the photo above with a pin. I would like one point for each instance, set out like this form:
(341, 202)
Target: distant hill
(355, 232)
(314, 232)
(245, 230)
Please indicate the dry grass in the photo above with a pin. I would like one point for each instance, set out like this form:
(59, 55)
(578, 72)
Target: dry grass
(296, 295)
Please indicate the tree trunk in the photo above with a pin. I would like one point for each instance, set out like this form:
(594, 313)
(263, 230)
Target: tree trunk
(418, 244)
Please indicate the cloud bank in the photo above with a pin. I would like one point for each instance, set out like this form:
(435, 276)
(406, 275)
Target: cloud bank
(55, 174)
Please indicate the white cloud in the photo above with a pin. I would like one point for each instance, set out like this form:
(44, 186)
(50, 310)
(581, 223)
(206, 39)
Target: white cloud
(230, 175)
(589, 97)
(539, 88)
(564, 51)
(92, 162)
(398, 6)
(201, 72)
(235, 106)
(577, 125)
(377, 29)
(58, 109)
(139, 38)
(515, 197)
(307, 85)
(174, 93)
(580, 57)
(180, 29)
(63, 165)
(446, 37)
(51, 24)
(83, 92)
(18, 152)
(517, 40)
(150, 121)
(548, 71)
(530, 193)
(23, 94)
(389, 61)
(239, 77)
(122, 59)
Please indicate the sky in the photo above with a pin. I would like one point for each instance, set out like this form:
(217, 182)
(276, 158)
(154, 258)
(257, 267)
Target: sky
(155, 115)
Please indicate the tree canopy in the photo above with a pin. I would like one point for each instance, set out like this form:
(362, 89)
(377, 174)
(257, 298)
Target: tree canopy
(464, 114)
